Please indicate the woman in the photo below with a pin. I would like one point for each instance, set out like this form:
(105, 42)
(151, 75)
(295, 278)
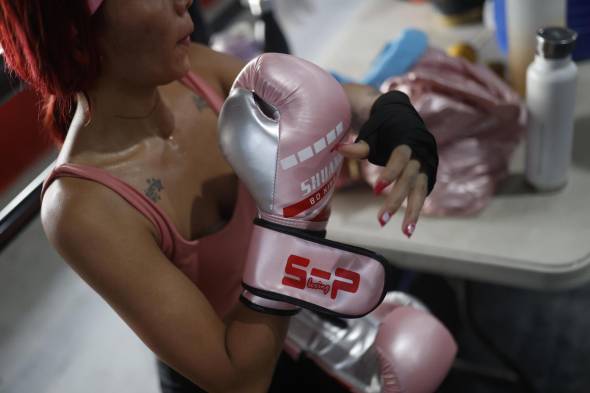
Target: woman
(141, 202)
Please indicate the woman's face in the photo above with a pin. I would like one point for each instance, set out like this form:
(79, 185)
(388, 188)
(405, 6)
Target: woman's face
(145, 42)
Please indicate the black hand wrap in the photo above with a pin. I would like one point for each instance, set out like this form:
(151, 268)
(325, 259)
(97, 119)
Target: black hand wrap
(394, 122)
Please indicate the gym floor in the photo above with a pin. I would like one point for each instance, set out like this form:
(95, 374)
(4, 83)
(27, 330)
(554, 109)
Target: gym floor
(58, 336)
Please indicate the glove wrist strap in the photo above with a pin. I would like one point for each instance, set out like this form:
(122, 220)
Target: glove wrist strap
(267, 306)
(290, 265)
(304, 225)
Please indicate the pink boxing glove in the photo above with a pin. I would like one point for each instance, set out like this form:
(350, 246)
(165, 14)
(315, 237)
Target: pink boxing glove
(277, 129)
(399, 347)
(415, 351)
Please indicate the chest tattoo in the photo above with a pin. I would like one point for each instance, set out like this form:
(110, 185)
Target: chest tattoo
(200, 103)
(154, 188)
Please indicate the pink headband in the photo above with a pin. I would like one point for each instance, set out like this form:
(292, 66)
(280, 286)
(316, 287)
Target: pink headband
(93, 5)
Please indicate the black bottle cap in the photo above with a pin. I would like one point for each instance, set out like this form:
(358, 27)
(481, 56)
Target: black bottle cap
(555, 42)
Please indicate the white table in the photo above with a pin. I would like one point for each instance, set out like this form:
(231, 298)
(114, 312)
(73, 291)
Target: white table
(522, 238)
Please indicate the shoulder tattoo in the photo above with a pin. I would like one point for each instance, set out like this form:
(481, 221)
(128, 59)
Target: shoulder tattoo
(154, 188)
(200, 102)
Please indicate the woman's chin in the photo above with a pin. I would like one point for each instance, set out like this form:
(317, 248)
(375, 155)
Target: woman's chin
(178, 71)
(175, 70)
(182, 66)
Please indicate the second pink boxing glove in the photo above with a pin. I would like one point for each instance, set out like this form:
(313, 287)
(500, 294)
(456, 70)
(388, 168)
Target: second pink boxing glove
(399, 347)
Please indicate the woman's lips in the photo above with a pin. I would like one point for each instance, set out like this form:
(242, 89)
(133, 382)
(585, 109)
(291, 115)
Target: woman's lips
(185, 41)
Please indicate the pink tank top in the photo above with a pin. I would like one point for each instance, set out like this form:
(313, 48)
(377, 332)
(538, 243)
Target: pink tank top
(214, 262)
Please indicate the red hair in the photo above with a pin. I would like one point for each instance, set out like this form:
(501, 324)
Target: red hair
(52, 45)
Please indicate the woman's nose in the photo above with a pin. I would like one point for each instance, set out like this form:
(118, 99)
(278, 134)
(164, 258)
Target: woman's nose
(182, 6)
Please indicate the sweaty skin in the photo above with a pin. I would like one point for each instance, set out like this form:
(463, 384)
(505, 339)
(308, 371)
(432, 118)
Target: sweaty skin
(153, 133)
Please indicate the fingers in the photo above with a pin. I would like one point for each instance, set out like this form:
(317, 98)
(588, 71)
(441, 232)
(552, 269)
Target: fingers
(359, 150)
(404, 187)
(409, 183)
(416, 200)
(395, 166)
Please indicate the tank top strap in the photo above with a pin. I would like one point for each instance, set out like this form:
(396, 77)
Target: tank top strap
(198, 84)
(126, 191)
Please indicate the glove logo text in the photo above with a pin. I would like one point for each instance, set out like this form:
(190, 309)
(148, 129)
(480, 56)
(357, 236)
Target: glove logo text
(323, 176)
(312, 184)
(296, 276)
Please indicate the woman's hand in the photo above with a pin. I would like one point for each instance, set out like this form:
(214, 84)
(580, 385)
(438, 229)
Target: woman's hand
(408, 181)
(393, 135)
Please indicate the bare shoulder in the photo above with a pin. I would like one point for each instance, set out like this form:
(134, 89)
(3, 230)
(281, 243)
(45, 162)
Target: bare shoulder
(222, 66)
(110, 247)
(76, 213)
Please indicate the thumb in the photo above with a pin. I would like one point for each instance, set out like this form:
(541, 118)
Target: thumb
(359, 150)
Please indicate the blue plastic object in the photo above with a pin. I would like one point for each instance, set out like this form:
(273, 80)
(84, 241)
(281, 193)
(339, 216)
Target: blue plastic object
(500, 19)
(396, 58)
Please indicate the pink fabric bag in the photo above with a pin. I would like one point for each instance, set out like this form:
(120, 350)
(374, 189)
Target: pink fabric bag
(477, 121)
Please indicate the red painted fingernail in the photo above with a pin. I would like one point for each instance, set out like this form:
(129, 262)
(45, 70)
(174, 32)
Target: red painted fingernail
(409, 230)
(380, 186)
(384, 218)
(339, 144)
